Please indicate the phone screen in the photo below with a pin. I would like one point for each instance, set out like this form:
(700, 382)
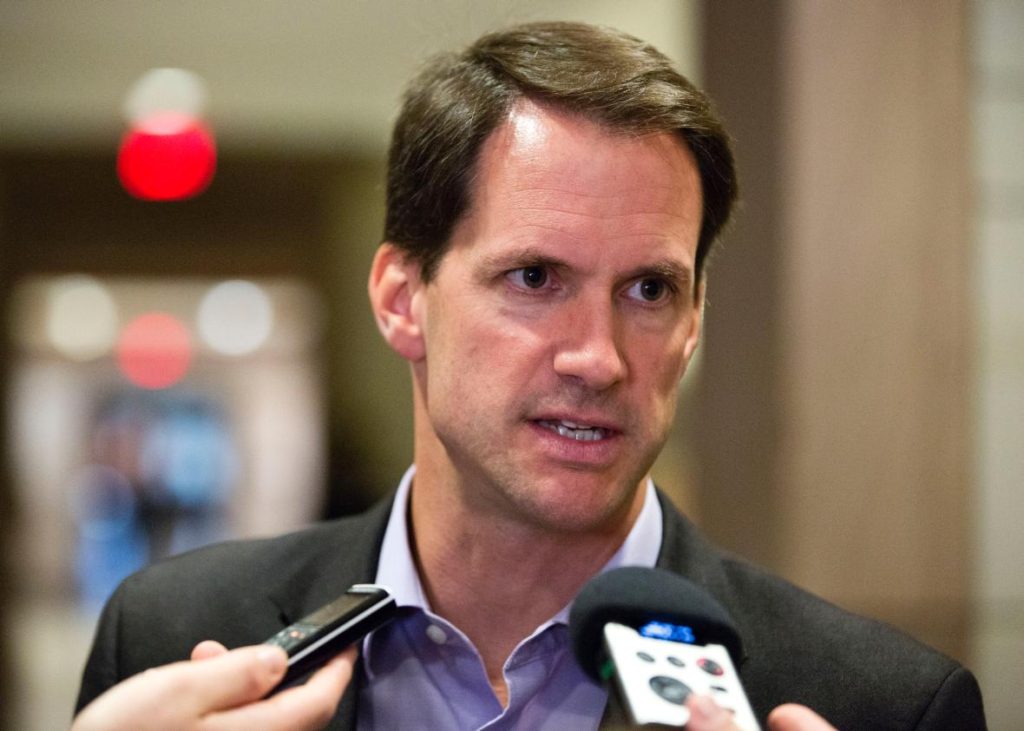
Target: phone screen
(344, 606)
(320, 635)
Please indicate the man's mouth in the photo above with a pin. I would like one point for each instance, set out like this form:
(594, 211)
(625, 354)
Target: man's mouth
(572, 430)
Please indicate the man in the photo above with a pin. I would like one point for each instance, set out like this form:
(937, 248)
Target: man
(553, 193)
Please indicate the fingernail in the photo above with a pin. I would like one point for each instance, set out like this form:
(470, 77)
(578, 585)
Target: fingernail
(272, 659)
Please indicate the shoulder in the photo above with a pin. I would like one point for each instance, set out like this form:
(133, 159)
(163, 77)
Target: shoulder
(235, 592)
(784, 619)
(857, 672)
(242, 568)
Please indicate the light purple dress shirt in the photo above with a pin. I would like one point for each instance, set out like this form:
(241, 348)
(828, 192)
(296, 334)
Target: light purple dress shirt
(422, 672)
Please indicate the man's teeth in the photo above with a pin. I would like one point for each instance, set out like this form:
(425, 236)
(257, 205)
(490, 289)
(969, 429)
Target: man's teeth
(579, 432)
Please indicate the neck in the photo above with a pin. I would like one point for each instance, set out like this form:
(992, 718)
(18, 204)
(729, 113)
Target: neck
(497, 579)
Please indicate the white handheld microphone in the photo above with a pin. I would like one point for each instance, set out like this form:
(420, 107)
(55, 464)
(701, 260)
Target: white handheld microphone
(661, 638)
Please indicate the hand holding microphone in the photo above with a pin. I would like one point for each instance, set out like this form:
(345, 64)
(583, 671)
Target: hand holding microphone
(670, 651)
(706, 715)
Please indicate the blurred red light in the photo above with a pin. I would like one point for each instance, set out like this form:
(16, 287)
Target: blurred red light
(154, 350)
(169, 156)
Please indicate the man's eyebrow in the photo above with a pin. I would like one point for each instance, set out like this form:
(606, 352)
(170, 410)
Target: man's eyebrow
(528, 256)
(666, 269)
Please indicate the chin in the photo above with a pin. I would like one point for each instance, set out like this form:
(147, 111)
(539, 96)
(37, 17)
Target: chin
(566, 512)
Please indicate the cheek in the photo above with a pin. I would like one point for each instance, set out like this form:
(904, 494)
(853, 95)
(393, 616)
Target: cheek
(659, 371)
(664, 355)
(665, 387)
(661, 401)
(472, 355)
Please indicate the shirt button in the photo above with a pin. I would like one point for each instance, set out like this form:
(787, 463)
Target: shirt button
(437, 634)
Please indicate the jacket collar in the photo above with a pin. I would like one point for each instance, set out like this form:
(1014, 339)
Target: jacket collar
(685, 551)
(344, 553)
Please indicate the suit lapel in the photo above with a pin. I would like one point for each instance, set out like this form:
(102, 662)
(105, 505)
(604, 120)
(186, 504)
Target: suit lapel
(346, 554)
(685, 551)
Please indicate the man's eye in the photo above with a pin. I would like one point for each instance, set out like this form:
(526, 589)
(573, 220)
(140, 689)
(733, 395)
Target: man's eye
(650, 290)
(530, 277)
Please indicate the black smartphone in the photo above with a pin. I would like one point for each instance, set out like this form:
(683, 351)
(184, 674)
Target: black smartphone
(315, 639)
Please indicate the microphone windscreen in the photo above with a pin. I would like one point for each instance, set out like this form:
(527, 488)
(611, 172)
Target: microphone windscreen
(635, 596)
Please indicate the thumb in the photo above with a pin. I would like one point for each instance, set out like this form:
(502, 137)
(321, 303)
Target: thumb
(793, 717)
(233, 678)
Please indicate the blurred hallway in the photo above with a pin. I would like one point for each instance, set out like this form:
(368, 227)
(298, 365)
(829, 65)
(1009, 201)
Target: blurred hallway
(855, 415)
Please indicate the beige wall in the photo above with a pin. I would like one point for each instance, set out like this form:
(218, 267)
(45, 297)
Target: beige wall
(839, 336)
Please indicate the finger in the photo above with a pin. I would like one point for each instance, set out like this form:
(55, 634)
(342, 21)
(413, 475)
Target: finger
(228, 680)
(793, 717)
(174, 696)
(207, 649)
(304, 707)
(706, 715)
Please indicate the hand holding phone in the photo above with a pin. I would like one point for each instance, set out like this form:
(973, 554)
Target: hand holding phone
(218, 688)
(318, 637)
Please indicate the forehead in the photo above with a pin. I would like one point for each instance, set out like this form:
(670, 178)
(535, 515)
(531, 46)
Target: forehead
(548, 174)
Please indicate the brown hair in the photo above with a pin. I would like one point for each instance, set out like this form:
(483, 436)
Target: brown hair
(607, 76)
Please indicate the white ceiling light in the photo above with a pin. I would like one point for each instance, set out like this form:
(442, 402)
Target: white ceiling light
(235, 317)
(81, 317)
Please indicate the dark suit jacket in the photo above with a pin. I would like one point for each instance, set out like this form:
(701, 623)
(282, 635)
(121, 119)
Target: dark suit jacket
(858, 673)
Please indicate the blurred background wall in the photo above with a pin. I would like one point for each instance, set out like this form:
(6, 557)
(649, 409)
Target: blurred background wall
(854, 419)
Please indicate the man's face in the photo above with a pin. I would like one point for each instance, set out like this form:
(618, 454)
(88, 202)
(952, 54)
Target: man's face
(560, 322)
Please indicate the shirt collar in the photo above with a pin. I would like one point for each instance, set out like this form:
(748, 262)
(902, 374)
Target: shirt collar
(396, 568)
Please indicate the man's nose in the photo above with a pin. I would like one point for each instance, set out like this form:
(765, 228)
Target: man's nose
(589, 345)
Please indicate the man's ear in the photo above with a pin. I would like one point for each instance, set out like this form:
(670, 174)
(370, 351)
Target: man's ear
(394, 284)
(693, 337)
